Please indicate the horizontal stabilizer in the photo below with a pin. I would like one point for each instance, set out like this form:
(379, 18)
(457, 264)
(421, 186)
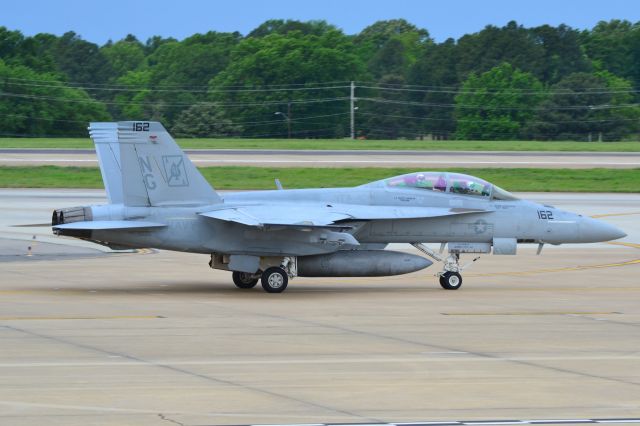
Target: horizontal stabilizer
(109, 225)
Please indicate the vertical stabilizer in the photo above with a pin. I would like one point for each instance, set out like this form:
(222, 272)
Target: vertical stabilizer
(142, 165)
(105, 137)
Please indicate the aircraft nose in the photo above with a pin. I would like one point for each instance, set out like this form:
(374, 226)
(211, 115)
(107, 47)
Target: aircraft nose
(594, 231)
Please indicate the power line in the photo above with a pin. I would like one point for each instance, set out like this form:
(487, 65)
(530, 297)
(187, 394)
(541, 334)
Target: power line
(457, 89)
(296, 87)
(183, 104)
(321, 100)
(243, 123)
(230, 135)
(153, 90)
(274, 87)
(462, 120)
(504, 92)
(490, 107)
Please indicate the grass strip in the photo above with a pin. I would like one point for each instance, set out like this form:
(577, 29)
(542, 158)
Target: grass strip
(346, 144)
(235, 177)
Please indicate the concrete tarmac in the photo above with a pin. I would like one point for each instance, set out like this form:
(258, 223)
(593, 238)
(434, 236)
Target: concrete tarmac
(348, 158)
(93, 337)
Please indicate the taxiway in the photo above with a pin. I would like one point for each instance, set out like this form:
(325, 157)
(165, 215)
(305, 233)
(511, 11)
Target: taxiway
(153, 338)
(347, 158)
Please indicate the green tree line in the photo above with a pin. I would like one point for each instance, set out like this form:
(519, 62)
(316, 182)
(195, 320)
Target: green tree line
(294, 78)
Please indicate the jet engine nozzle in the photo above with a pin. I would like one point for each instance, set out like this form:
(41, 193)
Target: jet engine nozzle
(70, 215)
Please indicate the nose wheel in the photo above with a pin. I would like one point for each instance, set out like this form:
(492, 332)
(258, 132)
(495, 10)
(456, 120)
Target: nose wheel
(451, 280)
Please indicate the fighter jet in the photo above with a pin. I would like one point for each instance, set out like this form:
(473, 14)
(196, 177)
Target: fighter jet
(158, 199)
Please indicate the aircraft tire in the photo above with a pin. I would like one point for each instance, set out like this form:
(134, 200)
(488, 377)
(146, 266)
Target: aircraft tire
(244, 280)
(451, 281)
(274, 280)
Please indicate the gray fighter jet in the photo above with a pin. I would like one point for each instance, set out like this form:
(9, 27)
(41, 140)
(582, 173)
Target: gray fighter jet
(157, 198)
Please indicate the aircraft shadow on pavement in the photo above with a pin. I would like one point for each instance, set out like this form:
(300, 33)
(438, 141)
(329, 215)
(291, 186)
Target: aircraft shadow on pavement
(213, 289)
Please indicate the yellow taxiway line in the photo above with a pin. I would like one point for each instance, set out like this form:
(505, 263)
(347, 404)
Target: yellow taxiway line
(596, 216)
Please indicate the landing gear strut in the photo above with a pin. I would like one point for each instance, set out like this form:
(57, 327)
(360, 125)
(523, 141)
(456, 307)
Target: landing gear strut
(450, 277)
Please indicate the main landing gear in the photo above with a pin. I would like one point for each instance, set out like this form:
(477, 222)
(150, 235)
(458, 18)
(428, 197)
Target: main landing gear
(450, 277)
(244, 279)
(274, 279)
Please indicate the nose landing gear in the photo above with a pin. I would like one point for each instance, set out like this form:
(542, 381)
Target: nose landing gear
(450, 277)
(450, 280)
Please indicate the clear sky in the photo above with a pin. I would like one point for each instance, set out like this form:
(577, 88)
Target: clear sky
(99, 21)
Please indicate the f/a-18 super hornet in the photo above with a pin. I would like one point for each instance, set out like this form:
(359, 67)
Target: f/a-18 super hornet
(158, 199)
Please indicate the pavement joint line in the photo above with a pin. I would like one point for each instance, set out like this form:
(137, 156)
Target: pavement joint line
(469, 422)
(126, 411)
(82, 318)
(208, 378)
(447, 348)
(525, 313)
(170, 363)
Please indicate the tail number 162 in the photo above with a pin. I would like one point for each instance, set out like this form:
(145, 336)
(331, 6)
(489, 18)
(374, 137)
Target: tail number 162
(545, 214)
(140, 127)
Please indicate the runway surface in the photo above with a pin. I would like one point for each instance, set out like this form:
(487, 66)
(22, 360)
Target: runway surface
(154, 338)
(337, 158)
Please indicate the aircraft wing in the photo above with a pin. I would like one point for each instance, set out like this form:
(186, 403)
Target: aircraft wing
(324, 216)
(110, 225)
(281, 216)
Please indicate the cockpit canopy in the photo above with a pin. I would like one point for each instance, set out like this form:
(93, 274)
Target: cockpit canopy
(455, 183)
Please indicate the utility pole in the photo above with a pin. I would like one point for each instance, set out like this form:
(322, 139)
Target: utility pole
(289, 119)
(352, 100)
(286, 117)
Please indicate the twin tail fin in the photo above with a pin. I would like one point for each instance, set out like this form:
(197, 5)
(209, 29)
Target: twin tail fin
(142, 165)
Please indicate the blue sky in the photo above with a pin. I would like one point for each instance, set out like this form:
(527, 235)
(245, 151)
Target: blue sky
(99, 21)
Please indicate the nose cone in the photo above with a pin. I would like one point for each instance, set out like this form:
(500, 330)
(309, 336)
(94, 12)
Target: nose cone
(595, 231)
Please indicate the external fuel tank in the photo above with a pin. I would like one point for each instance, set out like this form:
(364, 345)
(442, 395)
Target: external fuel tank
(360, 263)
